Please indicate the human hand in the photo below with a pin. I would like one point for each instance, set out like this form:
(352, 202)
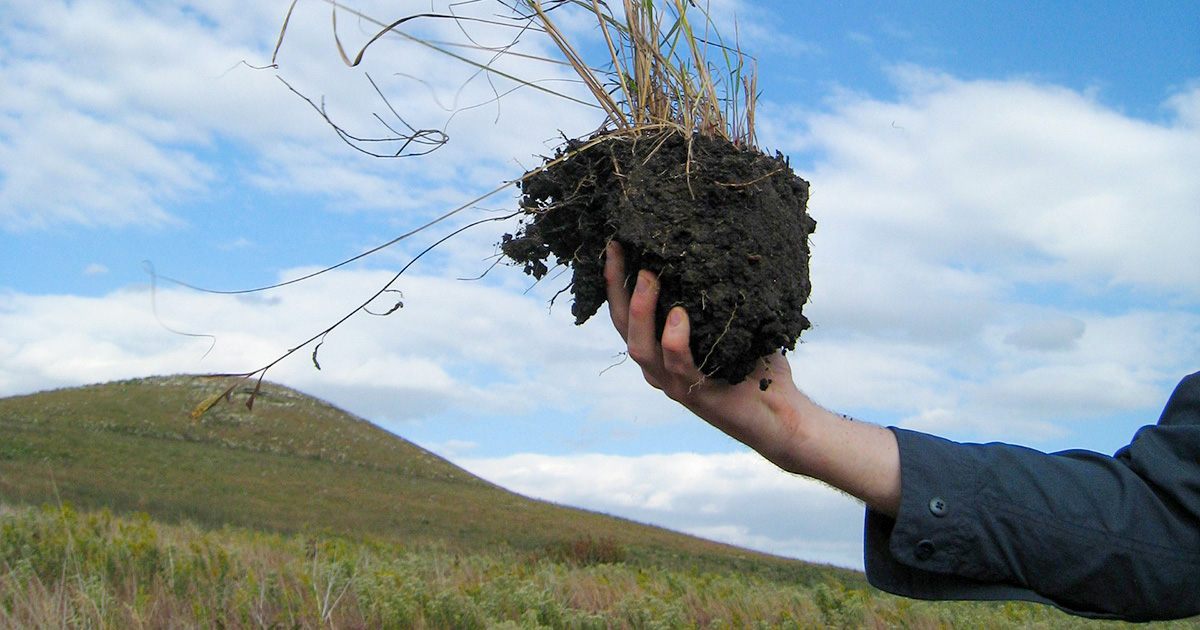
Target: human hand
(780, 422)
(759, 411)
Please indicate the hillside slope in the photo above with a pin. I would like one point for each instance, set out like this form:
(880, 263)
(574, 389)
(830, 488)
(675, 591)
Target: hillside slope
(297, 464)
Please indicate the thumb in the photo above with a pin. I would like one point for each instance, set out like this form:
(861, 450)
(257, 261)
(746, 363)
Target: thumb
(676, 346)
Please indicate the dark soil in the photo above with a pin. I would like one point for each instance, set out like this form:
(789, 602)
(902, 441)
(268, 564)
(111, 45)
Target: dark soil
(726, 229)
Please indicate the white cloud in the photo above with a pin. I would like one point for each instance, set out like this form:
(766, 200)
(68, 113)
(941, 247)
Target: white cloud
(1053, 334)
(897, 295)
(453, 344)
(453, 448)
(1067, 391)
(113, 131)
(93, 126)
(989, 388)
(738, 498)
(1029, 180)
(993, 258)
(1186, 105)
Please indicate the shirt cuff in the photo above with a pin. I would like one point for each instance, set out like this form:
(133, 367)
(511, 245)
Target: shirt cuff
(930, 551)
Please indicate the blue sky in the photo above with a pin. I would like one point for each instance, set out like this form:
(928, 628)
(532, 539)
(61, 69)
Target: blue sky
(1006, 198)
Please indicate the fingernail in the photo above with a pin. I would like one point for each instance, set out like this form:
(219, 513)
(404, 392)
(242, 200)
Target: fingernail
(675, 317)
(643, 282)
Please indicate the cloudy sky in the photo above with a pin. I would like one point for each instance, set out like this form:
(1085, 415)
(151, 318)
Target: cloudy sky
(1007, 199)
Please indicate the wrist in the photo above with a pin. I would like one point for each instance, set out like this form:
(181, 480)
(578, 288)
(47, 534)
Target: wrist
(799, 419)
(858, 458)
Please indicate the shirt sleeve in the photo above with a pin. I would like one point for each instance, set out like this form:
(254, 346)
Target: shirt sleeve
(1100, 536)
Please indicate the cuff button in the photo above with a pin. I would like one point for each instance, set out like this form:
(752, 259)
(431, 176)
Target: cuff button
(938, 507)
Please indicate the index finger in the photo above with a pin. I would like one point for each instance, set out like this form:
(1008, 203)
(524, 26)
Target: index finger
(618, 290)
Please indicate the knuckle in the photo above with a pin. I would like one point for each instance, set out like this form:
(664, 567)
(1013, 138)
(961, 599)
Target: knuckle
(612, 273)
(674, 346)
(675, 365)
(620, 323)
(641, 308)
(677, 357)
(641, 355)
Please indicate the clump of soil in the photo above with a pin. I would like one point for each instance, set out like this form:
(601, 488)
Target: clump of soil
(726, 230)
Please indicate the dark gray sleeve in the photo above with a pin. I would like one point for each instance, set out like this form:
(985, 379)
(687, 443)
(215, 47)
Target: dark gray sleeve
(1094, 535)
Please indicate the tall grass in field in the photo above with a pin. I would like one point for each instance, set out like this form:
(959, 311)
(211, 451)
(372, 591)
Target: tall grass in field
(60, 568)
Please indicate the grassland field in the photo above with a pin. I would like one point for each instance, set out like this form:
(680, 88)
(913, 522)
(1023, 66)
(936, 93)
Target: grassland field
(118, 509)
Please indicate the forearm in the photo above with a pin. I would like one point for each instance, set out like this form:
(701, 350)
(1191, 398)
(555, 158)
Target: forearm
(785, 426)
(858, 458)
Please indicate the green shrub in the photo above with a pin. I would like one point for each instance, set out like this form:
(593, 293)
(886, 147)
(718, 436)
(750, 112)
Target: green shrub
(63, 569)
(587, 551)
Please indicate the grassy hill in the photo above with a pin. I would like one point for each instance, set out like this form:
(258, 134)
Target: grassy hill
(297, 515)
(297, 464)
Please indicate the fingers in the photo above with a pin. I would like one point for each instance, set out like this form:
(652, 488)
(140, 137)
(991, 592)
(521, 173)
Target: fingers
(618, 293)
(633, 315)
(641, 334)
(677, 348)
